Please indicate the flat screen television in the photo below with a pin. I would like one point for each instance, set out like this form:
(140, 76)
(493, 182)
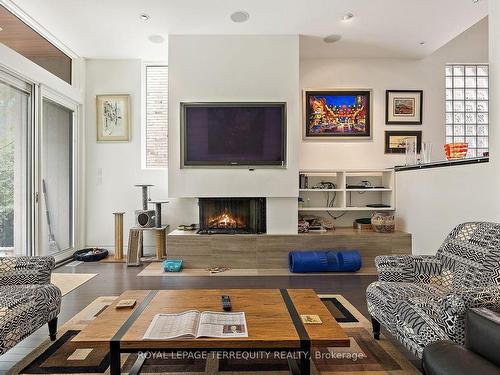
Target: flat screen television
(233, 134)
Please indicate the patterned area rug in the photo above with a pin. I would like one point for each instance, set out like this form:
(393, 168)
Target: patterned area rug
(365, 355)
(70, 281)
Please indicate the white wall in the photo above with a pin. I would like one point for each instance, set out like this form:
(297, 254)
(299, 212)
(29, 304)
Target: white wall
(431, 202)
(381, 75)
(112, 169)
(237, 68)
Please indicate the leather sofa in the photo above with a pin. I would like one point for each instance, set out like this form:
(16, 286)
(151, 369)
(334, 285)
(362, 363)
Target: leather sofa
(480, 355)
(27, 299)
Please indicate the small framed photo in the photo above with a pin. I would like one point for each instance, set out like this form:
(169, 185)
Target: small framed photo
(337, 114)
(395, 141)
(404, 107)
(113, 118)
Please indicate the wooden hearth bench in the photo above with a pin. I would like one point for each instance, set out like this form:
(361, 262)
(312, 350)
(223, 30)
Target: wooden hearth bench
(268, 251)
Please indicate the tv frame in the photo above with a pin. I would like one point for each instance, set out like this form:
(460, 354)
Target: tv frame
(251, 164)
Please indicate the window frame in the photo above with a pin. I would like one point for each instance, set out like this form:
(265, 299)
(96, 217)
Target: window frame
(451, 111)
(144, 65)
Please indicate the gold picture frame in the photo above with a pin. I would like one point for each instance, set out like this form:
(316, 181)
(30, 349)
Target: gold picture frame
(113, 118)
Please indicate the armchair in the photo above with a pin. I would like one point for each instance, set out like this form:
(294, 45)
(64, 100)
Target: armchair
(27, 298)
(422, 299)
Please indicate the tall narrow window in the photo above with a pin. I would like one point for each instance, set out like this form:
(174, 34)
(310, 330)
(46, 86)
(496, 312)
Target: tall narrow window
(467, 106)
(57, 160)
(156, 132)
(15, 128)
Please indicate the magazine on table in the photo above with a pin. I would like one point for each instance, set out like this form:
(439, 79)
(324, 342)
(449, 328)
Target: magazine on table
(196, 324)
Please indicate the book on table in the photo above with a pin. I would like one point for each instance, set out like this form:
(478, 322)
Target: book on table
(196, 324)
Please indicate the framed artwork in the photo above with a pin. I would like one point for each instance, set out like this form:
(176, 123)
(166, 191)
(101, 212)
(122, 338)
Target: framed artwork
(404, 107)
(113, 118)
(395, 141)
(337, 114)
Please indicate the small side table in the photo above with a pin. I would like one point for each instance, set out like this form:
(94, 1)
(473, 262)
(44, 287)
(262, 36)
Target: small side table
(161, 241)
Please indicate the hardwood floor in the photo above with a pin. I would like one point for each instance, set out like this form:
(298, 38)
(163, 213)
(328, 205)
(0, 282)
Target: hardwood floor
(114, 278)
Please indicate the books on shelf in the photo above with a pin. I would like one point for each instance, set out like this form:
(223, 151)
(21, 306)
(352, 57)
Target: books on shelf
(196, 324)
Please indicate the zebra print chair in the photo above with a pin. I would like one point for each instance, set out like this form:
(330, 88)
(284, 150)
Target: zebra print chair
(27, 298)
(422, 299)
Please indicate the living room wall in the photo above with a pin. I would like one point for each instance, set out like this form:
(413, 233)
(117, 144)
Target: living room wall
(224, 68)
(380, 75)
(112, 169)
(232, 68)
(431, 202)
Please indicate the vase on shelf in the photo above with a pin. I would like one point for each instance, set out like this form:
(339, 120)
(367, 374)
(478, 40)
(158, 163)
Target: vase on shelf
(383, 222)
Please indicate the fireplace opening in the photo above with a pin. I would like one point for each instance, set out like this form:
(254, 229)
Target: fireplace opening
(232, 215)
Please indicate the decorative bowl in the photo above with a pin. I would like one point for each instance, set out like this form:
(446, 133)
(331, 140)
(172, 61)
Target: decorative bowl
(383, 222)
(456, 151)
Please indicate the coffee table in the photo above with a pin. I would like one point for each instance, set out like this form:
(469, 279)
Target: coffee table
(273, 320)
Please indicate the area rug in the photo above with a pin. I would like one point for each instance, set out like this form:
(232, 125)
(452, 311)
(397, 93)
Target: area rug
(365, 355)
(70, 281)
(156, 269)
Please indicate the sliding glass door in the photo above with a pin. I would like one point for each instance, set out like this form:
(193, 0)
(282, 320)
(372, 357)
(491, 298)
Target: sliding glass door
(57, 196)
(15, 166)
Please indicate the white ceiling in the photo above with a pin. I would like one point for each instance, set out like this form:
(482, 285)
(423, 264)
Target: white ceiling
(380, 28)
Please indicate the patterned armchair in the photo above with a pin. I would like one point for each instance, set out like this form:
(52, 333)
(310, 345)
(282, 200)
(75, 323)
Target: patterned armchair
(422, 299)
(27, 299)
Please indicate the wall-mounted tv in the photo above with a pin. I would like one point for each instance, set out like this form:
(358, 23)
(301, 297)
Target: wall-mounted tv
(233, 134)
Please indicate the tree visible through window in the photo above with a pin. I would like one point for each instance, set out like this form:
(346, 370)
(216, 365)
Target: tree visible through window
(156, 131)
(467, 106)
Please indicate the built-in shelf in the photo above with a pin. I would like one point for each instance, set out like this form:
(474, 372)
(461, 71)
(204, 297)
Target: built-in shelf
(346, 209)
(322, 200)
(442, 163)
(369, 190)
(321, 190)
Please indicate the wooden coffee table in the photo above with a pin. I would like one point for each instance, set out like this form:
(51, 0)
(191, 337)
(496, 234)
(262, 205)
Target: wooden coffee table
(272, 317)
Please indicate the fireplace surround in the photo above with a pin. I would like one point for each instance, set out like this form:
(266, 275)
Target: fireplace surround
(232, 215)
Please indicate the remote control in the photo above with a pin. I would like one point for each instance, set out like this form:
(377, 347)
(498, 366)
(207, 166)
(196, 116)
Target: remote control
(226, 303)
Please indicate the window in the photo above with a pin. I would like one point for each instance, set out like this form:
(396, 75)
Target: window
(467, 106)
(57, 161)
(15, 123)
(156, 129)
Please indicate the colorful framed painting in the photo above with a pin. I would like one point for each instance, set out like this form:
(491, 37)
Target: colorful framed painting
(404, 107)
(113, 118)
(395, 141)
(337, 114)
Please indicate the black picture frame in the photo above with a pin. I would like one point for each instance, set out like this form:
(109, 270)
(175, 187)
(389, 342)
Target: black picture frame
(308, 113)
(401, 121)
(401, 133)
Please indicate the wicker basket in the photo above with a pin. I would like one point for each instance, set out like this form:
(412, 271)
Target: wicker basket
(383, 222)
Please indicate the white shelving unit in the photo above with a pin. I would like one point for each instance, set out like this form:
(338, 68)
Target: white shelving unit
(381, 190)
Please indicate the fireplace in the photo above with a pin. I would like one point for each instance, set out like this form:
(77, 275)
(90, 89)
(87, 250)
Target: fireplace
(232, 215)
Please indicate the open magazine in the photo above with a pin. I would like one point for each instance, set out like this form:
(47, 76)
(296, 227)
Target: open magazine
(194, 323)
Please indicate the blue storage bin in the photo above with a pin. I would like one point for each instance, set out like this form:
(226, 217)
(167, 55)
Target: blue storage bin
(172, 265)
(324, 261)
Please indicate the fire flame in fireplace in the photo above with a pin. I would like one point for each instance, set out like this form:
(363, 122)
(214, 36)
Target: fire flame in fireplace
(225, 220)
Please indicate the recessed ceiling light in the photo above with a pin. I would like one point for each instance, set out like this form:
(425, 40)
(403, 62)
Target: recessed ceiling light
(332, 38)
(1, 28)
(144, 16)
(422, 43)
(476, 1)
(347, 17)
(240, 16)
(156, 39)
